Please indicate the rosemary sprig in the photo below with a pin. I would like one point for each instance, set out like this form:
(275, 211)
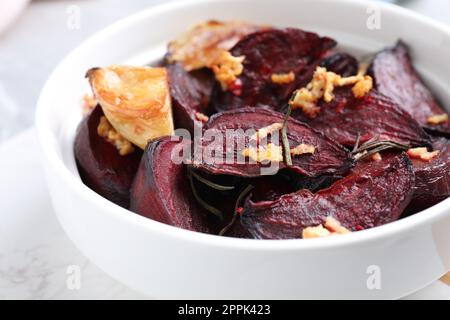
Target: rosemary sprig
(210, 183)
(236, 206)
(373, 146)
(204, 204)
(358, 138)
(284, 138)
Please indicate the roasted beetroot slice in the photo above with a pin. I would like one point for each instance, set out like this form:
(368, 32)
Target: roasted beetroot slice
(375, 193)
(272, 52)
(373, 115)
(395, 77)
(273, 187)
(432, 178)
(341, 63)
(161, 192)
(329, 158)
(190, 93)
(100, 165)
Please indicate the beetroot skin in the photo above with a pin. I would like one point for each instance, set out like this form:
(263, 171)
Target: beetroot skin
(270, 52)
(329, 157)
(100, 165)
(432, 178)
(395, 77)
(370, 116)
(340, 63)
(190, 92)
(161, 190)
(375, 193)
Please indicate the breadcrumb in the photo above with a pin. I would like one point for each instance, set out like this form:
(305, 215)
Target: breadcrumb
(437, 119)
(106, 130)
(283, 78)
(302, 149)
(227, 68)
(322, 86)
(330, 228)
(422, 153)
(260, 154)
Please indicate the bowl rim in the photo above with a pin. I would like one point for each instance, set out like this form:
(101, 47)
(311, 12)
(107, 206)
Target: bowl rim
(48, 144)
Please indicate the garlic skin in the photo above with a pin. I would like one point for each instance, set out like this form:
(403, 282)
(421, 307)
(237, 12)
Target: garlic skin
(135, 100)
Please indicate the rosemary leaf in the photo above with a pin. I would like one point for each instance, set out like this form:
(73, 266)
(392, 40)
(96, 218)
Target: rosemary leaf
(210, 183)
(205, 205)
(357, 142)
(238, 201)
(284, 138)
(373, 146)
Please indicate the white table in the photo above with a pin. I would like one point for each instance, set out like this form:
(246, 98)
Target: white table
(34, 251)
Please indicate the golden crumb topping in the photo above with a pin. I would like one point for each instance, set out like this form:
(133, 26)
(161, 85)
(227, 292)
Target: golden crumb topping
(315, 232)
(106, 130)
(330, 228)
(265, 131)
(302, 149)
(422, 153)
(271, 152)
(283, 78)
(227, 68)
(437, 119)
(322, 86)
(335, 226)
(377, 157)
(201, 117)
(362, 86)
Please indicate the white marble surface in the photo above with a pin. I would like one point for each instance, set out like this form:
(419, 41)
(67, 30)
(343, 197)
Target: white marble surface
(34, 251)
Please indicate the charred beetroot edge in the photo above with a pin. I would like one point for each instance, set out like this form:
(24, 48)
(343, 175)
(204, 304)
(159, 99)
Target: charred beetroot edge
(100, 165)
(375, 193)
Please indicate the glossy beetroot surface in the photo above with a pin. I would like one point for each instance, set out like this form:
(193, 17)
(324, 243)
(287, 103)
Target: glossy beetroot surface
(100, 165)
(272, 52)
(371, 116)
(341, 63)
(190, 93)
(161, 190)
(375, 193)
(432, 178)
(328, 158)
(395, 77)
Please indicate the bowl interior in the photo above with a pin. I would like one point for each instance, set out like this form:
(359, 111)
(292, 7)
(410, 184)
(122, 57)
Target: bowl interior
(142, 39)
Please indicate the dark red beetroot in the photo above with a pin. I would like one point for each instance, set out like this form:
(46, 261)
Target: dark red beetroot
(432, 178)
(329, 157)
(341, 63)
(395, 77)
(190, 93)
(100, 165)
(272, 52)
(346, 116)
(161, 190)
(375, 193)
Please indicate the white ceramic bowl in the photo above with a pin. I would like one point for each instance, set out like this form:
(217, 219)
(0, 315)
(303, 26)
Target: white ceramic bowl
(166, 262)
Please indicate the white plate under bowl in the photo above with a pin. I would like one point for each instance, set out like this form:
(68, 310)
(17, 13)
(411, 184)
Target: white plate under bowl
(167, 262)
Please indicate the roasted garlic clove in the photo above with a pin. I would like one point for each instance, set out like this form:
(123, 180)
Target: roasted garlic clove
(203, 44)
(135, 100)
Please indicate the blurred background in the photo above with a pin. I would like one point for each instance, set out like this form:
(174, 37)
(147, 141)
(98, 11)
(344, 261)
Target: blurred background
(36, 34)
